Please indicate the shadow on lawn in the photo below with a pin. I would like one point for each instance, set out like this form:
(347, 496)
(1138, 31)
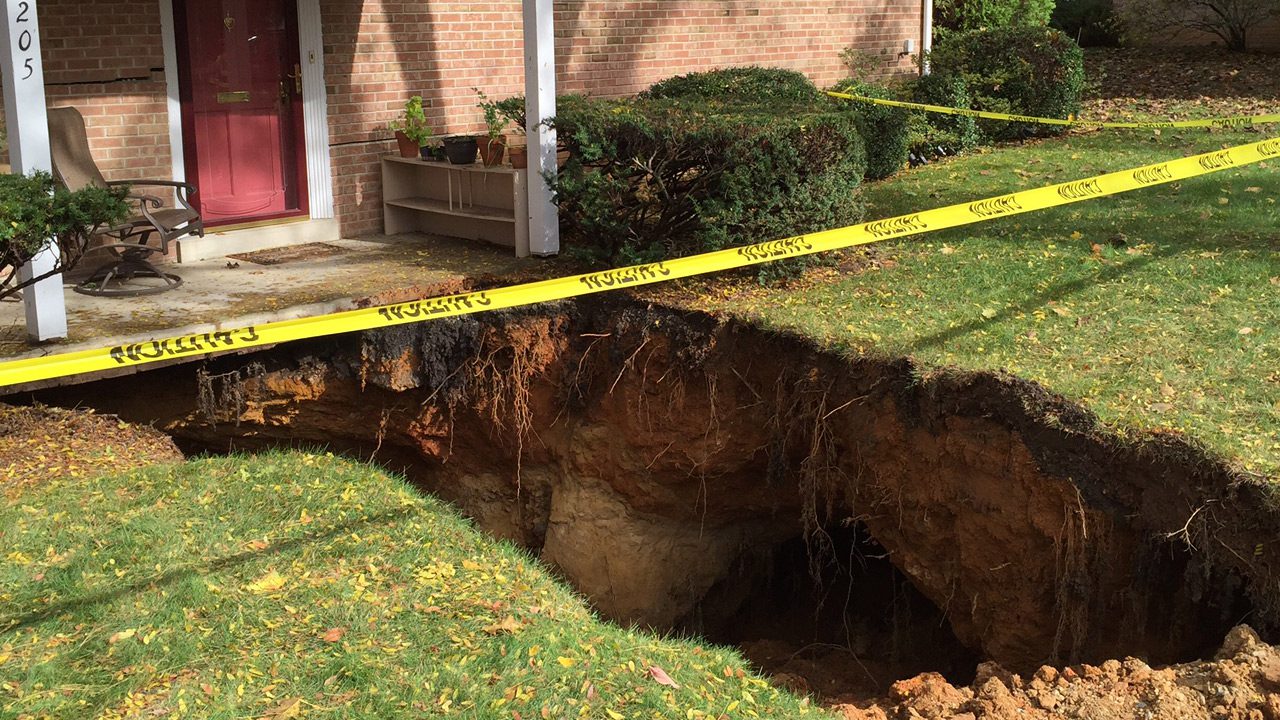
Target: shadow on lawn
(16, 622)
(1038, 300)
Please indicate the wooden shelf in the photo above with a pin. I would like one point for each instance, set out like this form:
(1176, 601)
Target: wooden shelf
(440, 206)
(465, 201)
(475, 167)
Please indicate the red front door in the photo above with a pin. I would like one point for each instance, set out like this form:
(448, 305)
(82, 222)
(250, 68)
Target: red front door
(240, 82)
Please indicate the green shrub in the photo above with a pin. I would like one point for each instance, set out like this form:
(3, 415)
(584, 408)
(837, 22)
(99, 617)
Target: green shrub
(936, 133)
(1023, 71)
(34, 208)
(1093, 23)
(753, 85)
(956, 16)
(653, 178)
(884, 129)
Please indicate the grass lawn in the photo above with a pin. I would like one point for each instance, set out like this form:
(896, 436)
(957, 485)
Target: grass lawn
(295, 585)
(1158, 309)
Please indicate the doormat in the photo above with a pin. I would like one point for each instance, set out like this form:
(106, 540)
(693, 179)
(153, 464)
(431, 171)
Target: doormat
(293, 253)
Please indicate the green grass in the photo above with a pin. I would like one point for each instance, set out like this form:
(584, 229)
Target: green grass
(1177, 328)
(295, 585)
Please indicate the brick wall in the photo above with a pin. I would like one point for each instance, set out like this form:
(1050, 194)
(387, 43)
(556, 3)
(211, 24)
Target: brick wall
(379, 53)
(105, 59)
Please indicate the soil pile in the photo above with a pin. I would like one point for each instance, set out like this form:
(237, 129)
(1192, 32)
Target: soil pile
(1241, 683)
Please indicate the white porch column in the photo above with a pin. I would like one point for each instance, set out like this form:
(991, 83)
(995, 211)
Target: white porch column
(540, 104)
(27, 124)
(926, 34)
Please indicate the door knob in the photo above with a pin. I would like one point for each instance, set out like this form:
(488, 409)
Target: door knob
(296, 76)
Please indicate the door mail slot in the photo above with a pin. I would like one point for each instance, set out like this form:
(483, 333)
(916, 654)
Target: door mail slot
(240, 96)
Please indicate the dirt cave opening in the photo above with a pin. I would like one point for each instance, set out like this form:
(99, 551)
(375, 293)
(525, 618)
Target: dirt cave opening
(830, 615)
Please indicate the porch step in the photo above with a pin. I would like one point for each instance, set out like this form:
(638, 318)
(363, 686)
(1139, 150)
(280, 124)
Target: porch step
(217, 244)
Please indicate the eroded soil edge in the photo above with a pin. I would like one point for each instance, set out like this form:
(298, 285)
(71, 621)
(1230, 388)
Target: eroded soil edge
(670, 463)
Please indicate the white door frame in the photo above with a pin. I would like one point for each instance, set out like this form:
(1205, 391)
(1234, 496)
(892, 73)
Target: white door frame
(315, 104)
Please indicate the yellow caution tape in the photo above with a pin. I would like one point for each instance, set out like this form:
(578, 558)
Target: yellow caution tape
(1239, 121)
(126, 356)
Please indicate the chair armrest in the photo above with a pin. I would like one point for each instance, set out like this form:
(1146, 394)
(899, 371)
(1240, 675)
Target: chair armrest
(185, 189)
(154, 183)
(146, 200)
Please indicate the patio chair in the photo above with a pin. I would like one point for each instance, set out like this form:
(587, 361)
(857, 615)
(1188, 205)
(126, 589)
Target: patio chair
(74, 167)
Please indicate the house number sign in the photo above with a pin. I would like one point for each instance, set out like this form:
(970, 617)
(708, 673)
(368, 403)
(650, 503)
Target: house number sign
(26, 40)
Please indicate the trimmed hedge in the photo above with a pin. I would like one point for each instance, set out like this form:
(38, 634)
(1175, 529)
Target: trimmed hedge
(1023, 71)
(956, 16)
(35, 208)
(885, 130)
(753, 85)
(936, 133)
(653, 178)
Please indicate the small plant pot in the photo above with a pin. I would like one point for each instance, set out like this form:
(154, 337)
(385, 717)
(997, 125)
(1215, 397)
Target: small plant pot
(408, 148)
(437, 153)
(491, 150)
(460, 150)
(427, 152)
(519, 155)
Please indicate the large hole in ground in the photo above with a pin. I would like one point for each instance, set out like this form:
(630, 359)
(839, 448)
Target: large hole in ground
(847, 523)
(838, 621)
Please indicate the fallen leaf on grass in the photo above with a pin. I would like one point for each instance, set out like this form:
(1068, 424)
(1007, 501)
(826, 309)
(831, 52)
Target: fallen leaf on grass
(122, 635)
(661, 677)
(1061, 311)
(566, 661)
(1253, 189)
(288, 708)
(333, 635)
(1245, 331)
(509, 625)
(269, 583)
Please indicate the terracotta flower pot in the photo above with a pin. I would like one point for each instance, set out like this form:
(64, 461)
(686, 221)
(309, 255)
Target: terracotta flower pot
(491, 150)
(408, 148)
(519, 155)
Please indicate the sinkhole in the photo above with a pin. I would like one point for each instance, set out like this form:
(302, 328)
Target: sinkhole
(846, 522)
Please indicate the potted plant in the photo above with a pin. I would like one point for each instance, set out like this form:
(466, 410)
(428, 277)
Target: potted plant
(519, 156)
(460, 149)
(412, 130)
(512, 110)
(435, 152)
(493, 145)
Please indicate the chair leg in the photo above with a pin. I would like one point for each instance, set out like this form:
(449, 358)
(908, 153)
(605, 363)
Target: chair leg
(132, 264)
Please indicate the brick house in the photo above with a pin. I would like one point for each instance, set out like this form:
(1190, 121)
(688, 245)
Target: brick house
(321, 79)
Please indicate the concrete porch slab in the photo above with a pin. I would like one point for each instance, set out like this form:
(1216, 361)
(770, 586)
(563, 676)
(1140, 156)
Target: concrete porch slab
(219, 293)
(216, 243)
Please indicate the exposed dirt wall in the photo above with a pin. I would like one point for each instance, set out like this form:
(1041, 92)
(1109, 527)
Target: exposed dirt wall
(645, 451)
